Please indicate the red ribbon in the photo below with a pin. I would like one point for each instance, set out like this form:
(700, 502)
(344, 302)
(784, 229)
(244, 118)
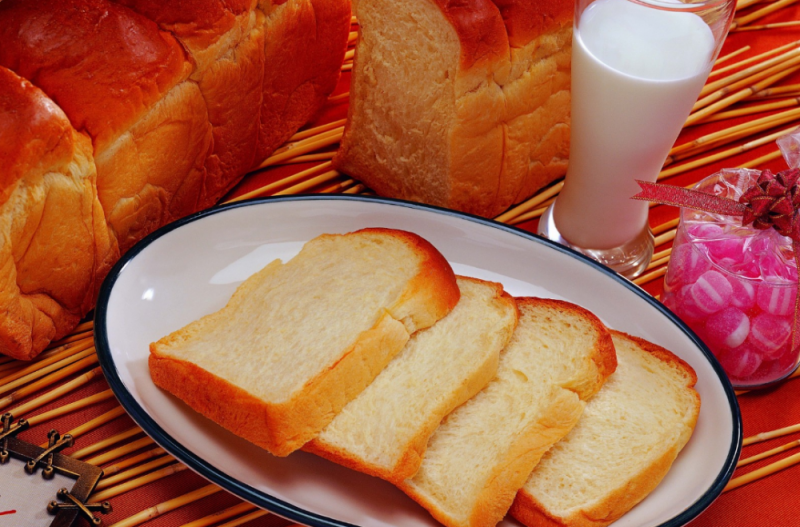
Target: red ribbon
(772, 201)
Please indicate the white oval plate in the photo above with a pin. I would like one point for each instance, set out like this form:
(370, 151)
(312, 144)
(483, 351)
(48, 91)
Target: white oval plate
(190, 268)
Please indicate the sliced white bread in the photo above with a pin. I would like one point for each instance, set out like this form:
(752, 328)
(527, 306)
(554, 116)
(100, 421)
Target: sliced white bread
(385, 430)
(624, 444)
(298, 341)
(482, 453)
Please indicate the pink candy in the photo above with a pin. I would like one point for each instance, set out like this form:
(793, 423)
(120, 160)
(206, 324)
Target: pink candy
(688, 263)
(776, 299)
(740, 363)
(769, 334)
(727, 328)
(711, 292)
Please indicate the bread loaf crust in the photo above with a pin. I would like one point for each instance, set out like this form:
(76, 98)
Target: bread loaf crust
(531, 512)
(283, 426)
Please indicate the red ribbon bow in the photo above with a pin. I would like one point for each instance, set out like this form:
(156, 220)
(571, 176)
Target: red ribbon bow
(772, 201)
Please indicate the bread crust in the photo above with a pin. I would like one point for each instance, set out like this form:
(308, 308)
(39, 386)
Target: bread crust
(285, 426)
(532, 513)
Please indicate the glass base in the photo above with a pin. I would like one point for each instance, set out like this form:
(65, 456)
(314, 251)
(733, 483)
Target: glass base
(630, 259)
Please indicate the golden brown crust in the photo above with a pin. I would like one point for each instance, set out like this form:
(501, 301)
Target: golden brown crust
(526, 20)
(480, 28)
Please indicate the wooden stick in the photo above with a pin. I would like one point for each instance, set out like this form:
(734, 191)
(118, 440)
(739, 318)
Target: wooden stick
(738, 96)
(14, 363)
(97, 422)
(230, 512)
(310, 158)
(266, 190)
(755, 58)
(165, 507)
(775, 25)
(352, 37)
(749, 110)
(662, 254)
(666, 226)
(128, 474)
(349, 55)
(669, 172)
(535, 213)
(762, 472)
(307, 145)
(744, 20)
(83, 326)
(144, 456)
(764, 436)
(71, 407)
(73, 337)
(353, 20)
(44, 382)
(531, 203)
(355, 190)
(303, 134)
(729, 56)
(778, 90)
(336, 99)
(338, 187)
(121, 451)
(768, 453)
(752, 127)
(755, 163)
(744, 4)
(49, 364)
(749, 72)
(15, 380)
(309, 184)
(245, 519)
(658, 273)
(139, 482)
(657, 262)
(667, 236)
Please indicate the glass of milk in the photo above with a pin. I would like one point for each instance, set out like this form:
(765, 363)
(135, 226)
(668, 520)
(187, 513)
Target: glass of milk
(637, 69)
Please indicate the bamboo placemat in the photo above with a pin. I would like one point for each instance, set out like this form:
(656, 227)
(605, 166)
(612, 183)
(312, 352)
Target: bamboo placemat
(752, 97)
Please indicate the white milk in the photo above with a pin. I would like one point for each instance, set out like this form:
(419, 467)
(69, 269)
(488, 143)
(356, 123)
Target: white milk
(636, 73)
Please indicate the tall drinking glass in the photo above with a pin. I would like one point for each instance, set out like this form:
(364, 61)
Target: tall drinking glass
(637, 69)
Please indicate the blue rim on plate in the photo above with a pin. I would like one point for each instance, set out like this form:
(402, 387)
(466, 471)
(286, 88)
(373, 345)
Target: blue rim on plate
(294, 513)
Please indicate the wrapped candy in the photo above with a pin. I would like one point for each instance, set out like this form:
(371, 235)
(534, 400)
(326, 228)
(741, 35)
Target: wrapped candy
(732, 276)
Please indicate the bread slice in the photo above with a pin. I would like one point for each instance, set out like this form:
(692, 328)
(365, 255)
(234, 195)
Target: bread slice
(462, 104)
(623, 446)
(298, 341)
(385, 430)
(559, 355)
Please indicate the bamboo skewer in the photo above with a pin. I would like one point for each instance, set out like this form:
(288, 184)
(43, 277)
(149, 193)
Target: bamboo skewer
(738, 96)
(664, 227)
(310, 158)
(268, 189)
(104, 443)
(52, 395)
(304, 134)
(305, 146)
(347, 66)
(335, 99)
(122, 465)
(349, 55)
(667, 236)
(138, 482)
(165, 507)
(775, 25)
(83, 326)
(355, 190)
(44, 382)
(750, 72)
(755, 163)
(778, 90)
(530, 204)
(669, 172)
(97, 422)
(245, 519)
(119, 452)
(71, 407)
(729, 56)
(649, 277)
(762, 472)
(657, 263)
(128, 474)
(535, 213)
(17, 365)
(755, 58)
(74, 336)
(744, 4)
(744, 20)
(768, 453)
(48, 365)
(309, 184)
(772, 434)
(230, 512)
(749, 110)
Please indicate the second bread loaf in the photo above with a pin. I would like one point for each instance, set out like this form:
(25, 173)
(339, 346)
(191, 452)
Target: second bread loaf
(298, 341)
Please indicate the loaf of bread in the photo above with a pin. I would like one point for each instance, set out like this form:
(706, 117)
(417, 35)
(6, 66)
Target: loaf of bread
(298, 341)
(483, 452)
(459, 104)
(385, 430)
(623, 445)
(166, 104)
